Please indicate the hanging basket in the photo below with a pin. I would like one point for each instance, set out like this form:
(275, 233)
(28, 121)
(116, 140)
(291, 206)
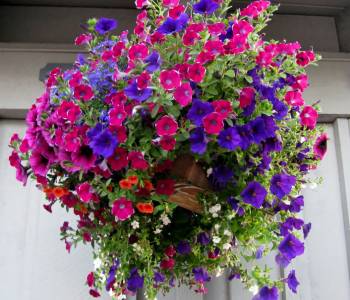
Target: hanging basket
(192, 181)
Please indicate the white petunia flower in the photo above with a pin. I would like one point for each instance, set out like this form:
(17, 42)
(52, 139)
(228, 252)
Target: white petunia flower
(97, 263)
(135, 224)
(216, 239)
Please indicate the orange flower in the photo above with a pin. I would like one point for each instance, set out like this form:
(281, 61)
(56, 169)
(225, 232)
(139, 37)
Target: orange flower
(82, 208)
(47, 190)
(145, 208)
(133, 179)
(148, 185)
(125, 184)
(59, 191)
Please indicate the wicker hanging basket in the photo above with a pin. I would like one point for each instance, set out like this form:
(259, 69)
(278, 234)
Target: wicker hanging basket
(192, 180)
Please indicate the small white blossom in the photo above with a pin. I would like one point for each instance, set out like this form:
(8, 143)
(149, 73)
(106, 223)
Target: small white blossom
(219, 272)
(214, 210)
(216, 239)
(227, 232)
(158, 231)
(165, 219)
(97, 263)
(302, 139)
(227, 246)
(135, 224)
(313, 185)
(209, 171)
(217, 227)
(254, 289)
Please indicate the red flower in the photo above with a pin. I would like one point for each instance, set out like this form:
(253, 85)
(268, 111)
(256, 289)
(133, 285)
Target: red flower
(190, 37)
(165, 187)
(170, 251)
(214, 47)
(119, 159)
(167, 142)
(176, 11)
(145, 208)
(246, 97)
(117, 116)
(166, 125)
(90, 279)
(167, 264)
(238, 44)
(308, 117)
(83, 92)
(137, 160)
(94, 293)
(305, 57)
(170, 79)
(223, 107)
(196, 72)
(213, 123)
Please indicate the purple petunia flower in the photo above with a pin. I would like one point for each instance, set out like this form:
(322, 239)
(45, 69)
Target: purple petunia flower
(111, 276)
(292, 281)
(282, 184)
(203, 238)
(306, 230)
(158, 278)
(198, 111)
(198, 140)
(296, 204)
(105, 25)
(229, 138)
(102, 141)
(200, 275)
(290, 224)
(184, 248)
(267, 293)
(171, 25)
(246, 136)
(289, 248)
(254, 194)
(135, 281)
(153, 62)
(259, 253)
(221, 176)
(272, 145)
(205, 7)
(132, 92)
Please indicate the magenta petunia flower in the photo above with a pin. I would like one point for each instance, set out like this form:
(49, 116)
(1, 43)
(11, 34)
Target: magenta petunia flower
(214, 47)
(83, 92)
(246, 97)
(85, 192)
(167, 142)
(122, 209)
(196, 72)
(320, 147)
(308, 117)
(39, 163)
(69, 111)
(117, 116)
(170, 79)
(294, 98)
(119, 159)
(301, 82)
(137, 160)
(238, 44)
(171, 3)
(183, 94)
(166, 125)
(223, 107)
(139, 51)
(213, 123)
(84, 158)
(242, 27)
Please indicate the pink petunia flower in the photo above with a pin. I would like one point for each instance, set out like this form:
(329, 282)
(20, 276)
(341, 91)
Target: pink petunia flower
(190, 37)
(320, 147)
(264, 58)
(214, 47)
(167, 143)
(223, 107)
(122, 209)
(213, 123)
(171, 3)
(204, 57)
(183, 94)
(176, 12)
(141, 3)
(246, 97)
(85, 192)
(138, 51)
(39, 163)
(242, 28)
(294, 98)
(238, 44)
(83, 92)
(166, 125)
(305, 57)
(116, 116)
(90, 279)
(84, 158)
(216, 28)
(83, 39)
(308, 117)
(301, 82)
(170, 79)
(196, 72)
(69, 111)
(75, 80)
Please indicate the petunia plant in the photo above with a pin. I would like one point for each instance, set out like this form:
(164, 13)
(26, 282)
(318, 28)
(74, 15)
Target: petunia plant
(193, 81)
